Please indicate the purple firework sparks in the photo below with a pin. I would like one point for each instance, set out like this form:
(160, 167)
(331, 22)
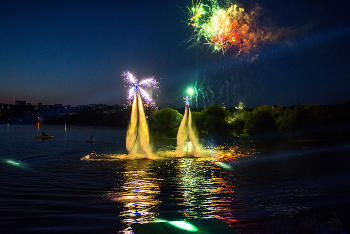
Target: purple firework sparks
(135, 87)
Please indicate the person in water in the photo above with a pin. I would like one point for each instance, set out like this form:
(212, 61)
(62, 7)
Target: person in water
(92, 154)
(44, 134)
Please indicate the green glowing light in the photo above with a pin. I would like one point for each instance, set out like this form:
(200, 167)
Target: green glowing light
(224, 165)
(184, 225)
(179, 224)
(157, 220)
(12, 162)
(190, 91)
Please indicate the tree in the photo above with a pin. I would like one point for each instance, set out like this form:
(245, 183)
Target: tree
(260, 121)
(215, 120)
(165, 123)
(237, 126)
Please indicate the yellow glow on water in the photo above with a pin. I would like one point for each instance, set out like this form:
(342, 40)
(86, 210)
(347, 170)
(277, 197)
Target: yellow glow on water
(200, 187)
(202, 193)
(138, 194)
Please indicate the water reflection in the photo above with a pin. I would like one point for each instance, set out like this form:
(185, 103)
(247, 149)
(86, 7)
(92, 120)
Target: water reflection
(55, 191)
(205, 193)
(138, 194)
(206, 186)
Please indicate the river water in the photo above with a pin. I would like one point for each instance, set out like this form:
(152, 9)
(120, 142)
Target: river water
(45, 187)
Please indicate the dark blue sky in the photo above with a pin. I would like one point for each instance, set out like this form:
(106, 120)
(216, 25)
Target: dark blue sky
(74, 52)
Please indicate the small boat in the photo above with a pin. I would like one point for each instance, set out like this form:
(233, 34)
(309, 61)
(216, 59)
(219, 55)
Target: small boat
(91, 139)
(43, 137)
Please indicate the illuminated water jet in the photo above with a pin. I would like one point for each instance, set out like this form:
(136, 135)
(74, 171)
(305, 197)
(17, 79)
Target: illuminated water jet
(187, 140)
(137, 137)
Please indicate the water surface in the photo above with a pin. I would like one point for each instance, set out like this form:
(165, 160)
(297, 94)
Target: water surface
(45, 187)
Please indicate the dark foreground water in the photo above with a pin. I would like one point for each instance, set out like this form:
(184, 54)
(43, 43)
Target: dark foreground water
(45, 187)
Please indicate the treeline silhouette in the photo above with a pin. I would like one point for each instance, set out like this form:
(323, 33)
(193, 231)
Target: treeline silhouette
(321, 121)
(263, 122)
(92, 118)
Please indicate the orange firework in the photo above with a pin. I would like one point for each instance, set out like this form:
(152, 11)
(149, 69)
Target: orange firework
(224, 31)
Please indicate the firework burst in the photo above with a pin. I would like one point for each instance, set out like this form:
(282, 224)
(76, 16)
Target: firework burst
(195, 12)
(135, 87)
(227, 28)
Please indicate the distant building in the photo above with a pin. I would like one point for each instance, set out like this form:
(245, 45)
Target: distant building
(20, 103)
(97, 106)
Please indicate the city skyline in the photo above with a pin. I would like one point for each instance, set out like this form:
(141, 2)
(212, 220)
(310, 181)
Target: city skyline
(75, 52)
(25, 103)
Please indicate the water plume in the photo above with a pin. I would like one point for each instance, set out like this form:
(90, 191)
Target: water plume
(137, 137)
(187, 140)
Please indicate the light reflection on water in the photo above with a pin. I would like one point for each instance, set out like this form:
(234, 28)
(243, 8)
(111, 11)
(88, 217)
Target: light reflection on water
(138, 194)
(242, 183)
(202, 192)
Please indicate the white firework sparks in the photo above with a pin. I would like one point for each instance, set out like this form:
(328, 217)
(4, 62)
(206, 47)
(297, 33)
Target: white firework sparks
(135, 87)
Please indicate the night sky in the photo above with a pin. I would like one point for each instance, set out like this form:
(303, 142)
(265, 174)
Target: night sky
(74, 52)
